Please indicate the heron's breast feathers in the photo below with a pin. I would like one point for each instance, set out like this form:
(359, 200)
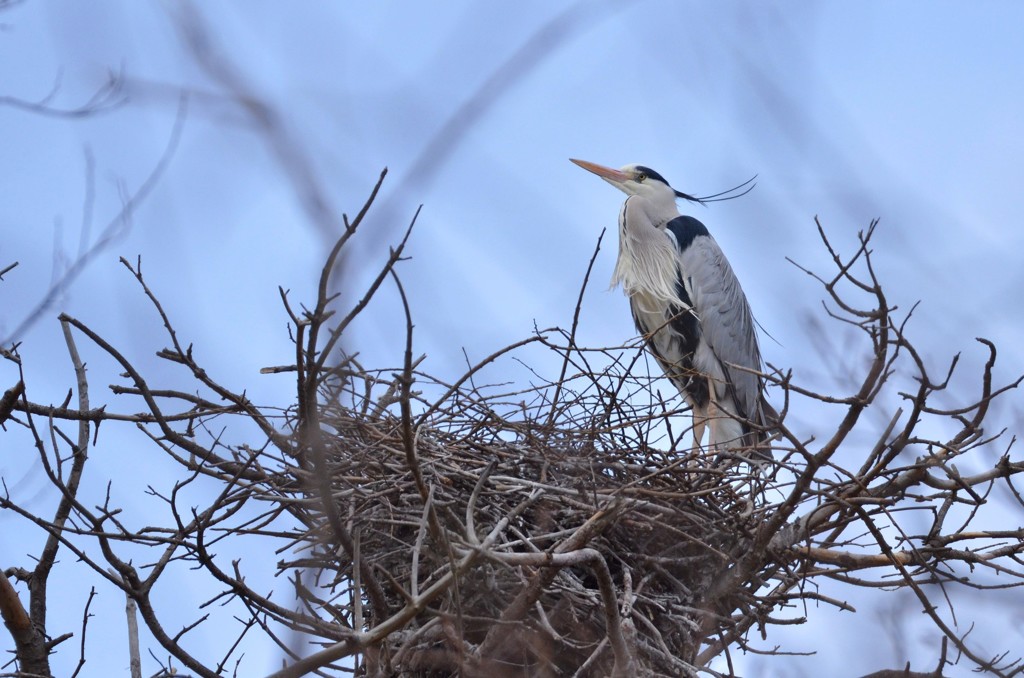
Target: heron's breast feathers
(648, 264)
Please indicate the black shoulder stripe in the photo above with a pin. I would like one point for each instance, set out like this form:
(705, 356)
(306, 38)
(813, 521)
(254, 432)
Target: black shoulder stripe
(684, 296)
(686, 229)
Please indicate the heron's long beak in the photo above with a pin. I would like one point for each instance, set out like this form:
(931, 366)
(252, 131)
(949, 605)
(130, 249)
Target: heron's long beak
(607, 173)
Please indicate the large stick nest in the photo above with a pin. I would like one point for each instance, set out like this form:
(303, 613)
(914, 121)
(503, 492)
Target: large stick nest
(559, 520)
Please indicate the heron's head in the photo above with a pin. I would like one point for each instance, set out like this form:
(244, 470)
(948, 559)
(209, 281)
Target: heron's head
(636, 180)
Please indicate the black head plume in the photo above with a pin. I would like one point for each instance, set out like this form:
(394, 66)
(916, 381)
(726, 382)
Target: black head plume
(729, 194)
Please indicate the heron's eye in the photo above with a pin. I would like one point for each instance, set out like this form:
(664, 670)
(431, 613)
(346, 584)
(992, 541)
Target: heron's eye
(640, 177)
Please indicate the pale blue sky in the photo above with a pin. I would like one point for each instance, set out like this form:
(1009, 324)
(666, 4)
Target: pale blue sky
(910, 112)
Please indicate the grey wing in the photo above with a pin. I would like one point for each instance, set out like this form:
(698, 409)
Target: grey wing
(725, 320)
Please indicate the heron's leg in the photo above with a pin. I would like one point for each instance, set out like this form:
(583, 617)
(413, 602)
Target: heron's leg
(700, 422)
(725, 429)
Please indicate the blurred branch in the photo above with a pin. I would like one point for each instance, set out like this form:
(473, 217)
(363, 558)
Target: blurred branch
(295, 163)
(107, 97)
(116, 228)
(533, 52)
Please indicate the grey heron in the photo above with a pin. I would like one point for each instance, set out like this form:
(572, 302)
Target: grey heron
(689, 306)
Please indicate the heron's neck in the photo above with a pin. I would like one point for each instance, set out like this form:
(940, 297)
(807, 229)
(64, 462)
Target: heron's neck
(660, 212)
(647, 263)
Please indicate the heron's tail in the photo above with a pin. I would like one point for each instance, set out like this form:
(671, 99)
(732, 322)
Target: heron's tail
(763, 433)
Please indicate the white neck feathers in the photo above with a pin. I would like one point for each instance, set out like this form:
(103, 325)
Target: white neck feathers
(648, 263)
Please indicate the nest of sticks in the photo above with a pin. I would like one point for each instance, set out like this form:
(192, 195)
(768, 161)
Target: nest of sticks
(562, 530)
